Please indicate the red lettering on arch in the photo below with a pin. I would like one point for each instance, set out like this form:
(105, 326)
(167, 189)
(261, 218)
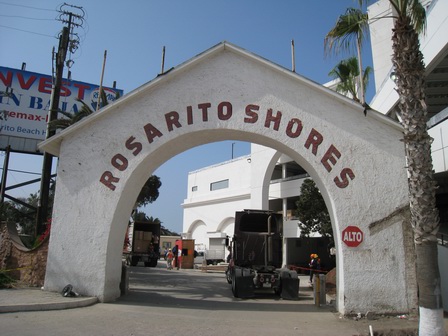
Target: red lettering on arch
(343, 182)
(297, 123)
(252, 114)
(314, 139)
(108, 180)
(271, 118)
(119, 162)
(151, 132)
(189, 115)
(136, 147)
(204, 107)
(221, 114)
(172, 119)
(332, 154)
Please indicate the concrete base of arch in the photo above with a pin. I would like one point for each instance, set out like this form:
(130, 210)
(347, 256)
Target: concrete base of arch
(356, 160)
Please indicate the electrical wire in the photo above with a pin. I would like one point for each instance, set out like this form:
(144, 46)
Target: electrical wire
(37, 8)
(27, 31)
(25, 17)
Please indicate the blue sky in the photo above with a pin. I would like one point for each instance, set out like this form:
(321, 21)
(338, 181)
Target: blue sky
(134, 33)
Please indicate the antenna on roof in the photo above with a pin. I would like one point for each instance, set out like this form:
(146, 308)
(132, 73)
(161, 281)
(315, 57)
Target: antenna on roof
(101, 81)
(163, 61)
(293, 56)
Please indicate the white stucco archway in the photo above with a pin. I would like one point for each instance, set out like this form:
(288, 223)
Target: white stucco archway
(198, 229)
(356, 160)
(226, 226)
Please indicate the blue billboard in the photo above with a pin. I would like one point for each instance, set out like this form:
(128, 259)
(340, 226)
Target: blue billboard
(25, 99)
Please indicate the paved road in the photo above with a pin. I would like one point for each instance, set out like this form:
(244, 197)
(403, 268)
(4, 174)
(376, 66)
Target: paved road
(184, 303)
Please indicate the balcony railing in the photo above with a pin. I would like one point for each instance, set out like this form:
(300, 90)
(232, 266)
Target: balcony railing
(290, 178)
(442, 239)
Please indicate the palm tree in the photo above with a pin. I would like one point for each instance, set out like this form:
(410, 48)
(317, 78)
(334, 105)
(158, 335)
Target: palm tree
(407, 59)
(353, 25)
(72, 118)
(347, 71)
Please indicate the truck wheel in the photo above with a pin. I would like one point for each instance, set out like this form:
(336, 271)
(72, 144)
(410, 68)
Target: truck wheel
(134, 261)
(289, 285)
(234, 288)
(278, 290)
(229, 275)
(237, 273)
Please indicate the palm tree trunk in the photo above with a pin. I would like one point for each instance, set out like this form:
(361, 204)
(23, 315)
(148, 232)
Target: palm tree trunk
(409, 66)
(362, 96)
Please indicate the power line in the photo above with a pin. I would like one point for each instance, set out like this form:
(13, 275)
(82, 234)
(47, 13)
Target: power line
(37, 8)
(26, 31)
(25, 17)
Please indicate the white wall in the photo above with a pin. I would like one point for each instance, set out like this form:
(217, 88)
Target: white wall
(443, 267)
(213, 207)
(439, 147)
(380, 38)
(431, 44)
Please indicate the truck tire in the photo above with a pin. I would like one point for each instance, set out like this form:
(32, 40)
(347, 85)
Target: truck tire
(278, 290)
(289, 288)
(134, 261)
(229, 275)
(235, 274)
(283, 274)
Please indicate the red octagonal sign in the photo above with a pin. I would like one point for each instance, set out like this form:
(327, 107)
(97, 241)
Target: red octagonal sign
(352, 236)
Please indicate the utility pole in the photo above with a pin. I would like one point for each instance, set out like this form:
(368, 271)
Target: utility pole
(42, 208)
(59, 59)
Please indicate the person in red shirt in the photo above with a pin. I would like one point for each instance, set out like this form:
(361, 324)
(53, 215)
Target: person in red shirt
(169, 259)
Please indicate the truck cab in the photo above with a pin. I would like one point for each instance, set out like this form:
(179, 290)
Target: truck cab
(257, 249)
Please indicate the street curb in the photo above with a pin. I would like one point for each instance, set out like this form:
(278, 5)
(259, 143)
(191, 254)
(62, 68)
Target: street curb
(48, 306)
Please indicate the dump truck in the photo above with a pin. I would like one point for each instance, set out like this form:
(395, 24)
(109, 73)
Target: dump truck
(256, 256)
(145, 245)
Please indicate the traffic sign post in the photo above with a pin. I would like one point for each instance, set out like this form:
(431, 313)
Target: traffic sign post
(352, 236)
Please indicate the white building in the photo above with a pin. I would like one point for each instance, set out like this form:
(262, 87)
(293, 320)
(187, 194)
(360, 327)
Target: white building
(434, 46)
(216, 192)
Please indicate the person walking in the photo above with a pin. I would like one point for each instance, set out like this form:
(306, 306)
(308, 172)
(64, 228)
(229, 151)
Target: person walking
(314, 265)
(169, 259)
(176, 252)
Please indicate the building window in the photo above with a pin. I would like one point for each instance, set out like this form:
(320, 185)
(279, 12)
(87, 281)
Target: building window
(219, 185)
(194, 188)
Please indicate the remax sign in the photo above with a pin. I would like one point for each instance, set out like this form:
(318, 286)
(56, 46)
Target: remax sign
(25, 100)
